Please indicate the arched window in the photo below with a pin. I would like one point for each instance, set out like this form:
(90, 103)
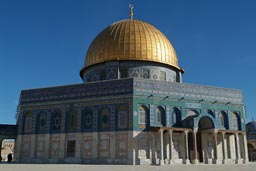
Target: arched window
(123, 72)
(176, 117)
(56, 121)
(104, 119)
(223, 119)
(192, 113)
(143, 110)
(145, 73)
(160, 119)
(122, 117)
(235, 121)
(102, 75)
(162, 75)
(87, 119)
(211, 113)
(41, 122)
(71, 121)
(27, 122)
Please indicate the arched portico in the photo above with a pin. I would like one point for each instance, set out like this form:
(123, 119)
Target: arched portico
(207, 140)
(211, 145)
(204, 139)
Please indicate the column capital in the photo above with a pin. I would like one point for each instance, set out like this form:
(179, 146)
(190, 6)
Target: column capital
(215, 131)
(186, 145)
(161, 130)
(195, 130)
(162, 146)
(170, 131)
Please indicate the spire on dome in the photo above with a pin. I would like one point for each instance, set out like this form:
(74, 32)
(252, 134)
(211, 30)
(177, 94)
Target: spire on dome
(131, 11)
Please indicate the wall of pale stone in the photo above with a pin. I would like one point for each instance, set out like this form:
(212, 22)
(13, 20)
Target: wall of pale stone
(94, 147)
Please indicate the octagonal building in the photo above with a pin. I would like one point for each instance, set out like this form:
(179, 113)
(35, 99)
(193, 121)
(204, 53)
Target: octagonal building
(132, 108)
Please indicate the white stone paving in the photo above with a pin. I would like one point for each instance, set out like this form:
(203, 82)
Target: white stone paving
(74, 167)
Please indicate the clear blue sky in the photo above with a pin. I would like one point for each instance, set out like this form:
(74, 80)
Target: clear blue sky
(43, 42)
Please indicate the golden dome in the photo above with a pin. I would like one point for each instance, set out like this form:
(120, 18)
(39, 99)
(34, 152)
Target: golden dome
(131, 40)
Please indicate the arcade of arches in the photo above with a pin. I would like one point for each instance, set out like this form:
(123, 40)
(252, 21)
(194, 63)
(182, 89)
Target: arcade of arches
(204, 144)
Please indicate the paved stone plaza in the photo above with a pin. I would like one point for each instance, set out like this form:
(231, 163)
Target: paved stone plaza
(73, 167)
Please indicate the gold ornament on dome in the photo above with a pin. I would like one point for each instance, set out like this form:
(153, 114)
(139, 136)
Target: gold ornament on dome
(131, 40)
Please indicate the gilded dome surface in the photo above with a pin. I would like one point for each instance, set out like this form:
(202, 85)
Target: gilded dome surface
(131, 40)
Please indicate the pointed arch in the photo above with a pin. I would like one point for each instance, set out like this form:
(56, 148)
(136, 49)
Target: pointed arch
(198, 118)
(192, 112)
(160, 116)
(87, 119)
(236, 122)
(211, 113)
(223, 120)
(104, 118)
(176, 117)
(27, 123)
(41, 122)
(71, 120)
(143, 114)
(205, 122)
(56, 121)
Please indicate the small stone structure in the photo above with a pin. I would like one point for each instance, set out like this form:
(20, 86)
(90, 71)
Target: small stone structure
(7, 148)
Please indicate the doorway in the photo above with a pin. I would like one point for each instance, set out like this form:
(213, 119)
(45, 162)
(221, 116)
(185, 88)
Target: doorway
(205, 123)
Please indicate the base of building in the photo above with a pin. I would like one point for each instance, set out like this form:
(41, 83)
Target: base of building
(186, 161)
(144, 162)
(217, 161)
(195, 161)
(176, 161)
(239, 161)
(245, 161)
(161, 162)
(229, 161)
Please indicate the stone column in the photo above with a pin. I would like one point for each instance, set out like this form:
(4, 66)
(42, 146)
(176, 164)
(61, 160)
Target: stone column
(162, 147)
(245, 148)
(186, 160)
(195, 160)
(170, 145)
(215, 147)
(237, 148)
(167, 147)
(133, 156)
(150, 144)
(223, 147)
